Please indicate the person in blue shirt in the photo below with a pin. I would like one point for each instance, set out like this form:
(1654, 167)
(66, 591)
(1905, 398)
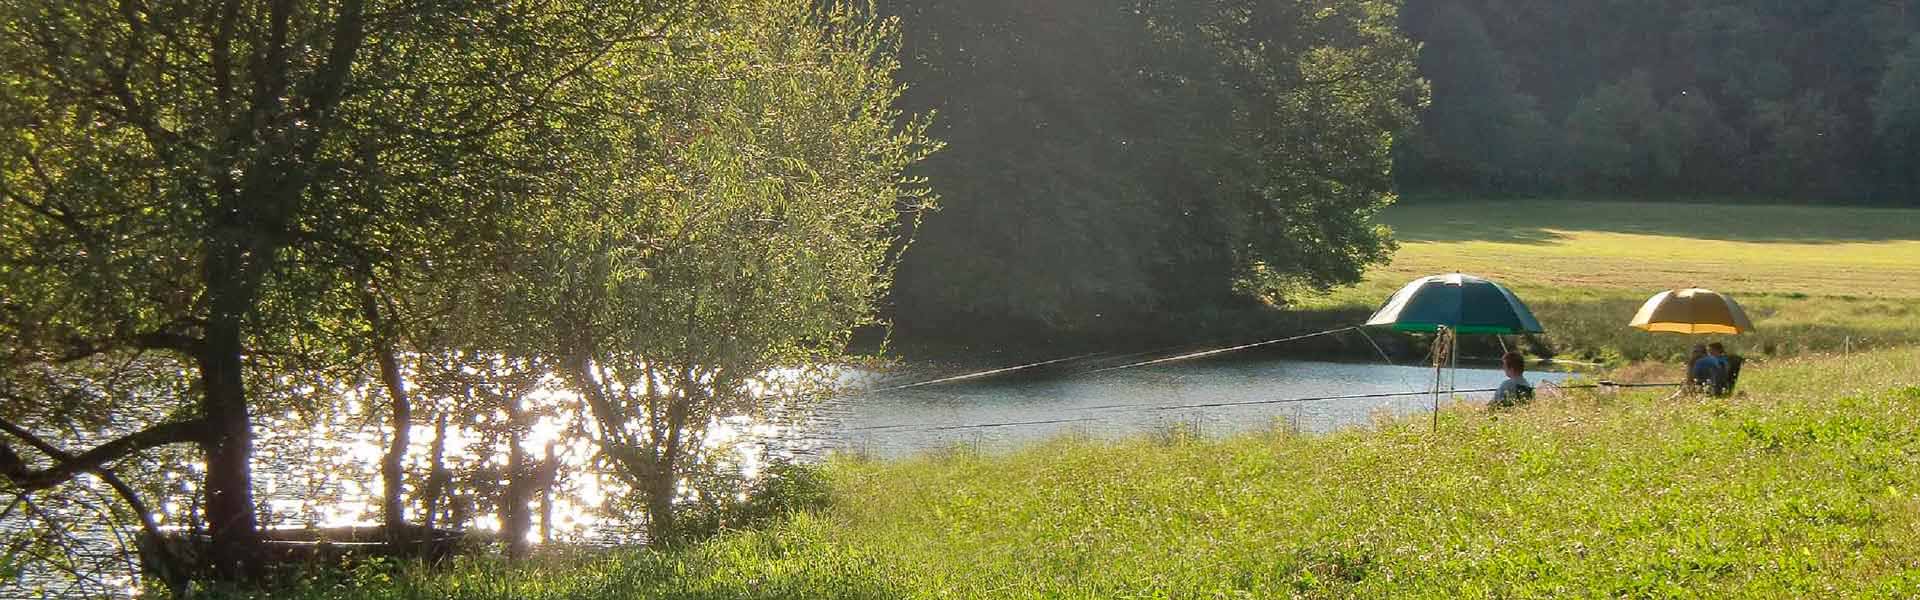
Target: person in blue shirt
(1723, 369)
(1702, 368)
(1718, 353)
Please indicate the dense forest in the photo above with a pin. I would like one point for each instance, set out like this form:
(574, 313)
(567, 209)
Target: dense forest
(1808, 101)
(1142, 167)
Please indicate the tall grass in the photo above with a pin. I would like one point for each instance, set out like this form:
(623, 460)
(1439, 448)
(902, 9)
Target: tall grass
(1805, 485)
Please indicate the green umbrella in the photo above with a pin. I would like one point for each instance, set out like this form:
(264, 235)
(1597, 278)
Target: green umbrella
(1462, 303)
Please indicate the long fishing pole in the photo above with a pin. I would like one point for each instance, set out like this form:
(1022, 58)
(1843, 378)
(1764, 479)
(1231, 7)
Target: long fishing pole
(1219, 351)
(1016, 368)
(987, 373)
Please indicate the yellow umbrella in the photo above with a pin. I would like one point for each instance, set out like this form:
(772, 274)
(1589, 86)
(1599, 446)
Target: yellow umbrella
(1692, 311)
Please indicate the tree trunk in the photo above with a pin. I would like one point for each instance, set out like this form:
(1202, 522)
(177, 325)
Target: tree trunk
(661, 488)
(549, 475)
(664, 485)
(436, 474)
(229, 451)
(516, 518)
(393, 465)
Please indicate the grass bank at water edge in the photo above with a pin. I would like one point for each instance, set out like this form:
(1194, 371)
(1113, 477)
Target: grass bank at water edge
(1806, 485)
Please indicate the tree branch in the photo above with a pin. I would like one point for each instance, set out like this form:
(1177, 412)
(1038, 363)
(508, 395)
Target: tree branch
(329, 82)
(167, 337)
(120, 84)
(60, 216)
(223, 56)
(68, 465)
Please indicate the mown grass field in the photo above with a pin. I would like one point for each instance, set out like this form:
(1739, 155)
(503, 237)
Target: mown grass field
(1814, 279)
(1806, 485)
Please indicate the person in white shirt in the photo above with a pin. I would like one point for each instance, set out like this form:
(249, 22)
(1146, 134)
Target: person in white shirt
(1515, 390)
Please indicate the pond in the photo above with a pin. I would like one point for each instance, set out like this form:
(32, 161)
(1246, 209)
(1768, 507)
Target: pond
(325, 474)
(1213, 397)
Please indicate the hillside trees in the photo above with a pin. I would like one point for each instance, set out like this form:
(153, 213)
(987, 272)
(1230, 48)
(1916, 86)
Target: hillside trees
(1896, 120)
(1728, 97)
(1479, 130)
(1113, 166)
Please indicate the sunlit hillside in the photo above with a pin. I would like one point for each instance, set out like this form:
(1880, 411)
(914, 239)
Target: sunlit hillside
(1813, 278)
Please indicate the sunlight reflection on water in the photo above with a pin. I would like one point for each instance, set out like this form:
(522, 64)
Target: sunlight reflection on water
(321, 469)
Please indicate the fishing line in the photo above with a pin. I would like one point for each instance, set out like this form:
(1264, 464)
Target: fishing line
(985, 373)
(1012, 369)
(1191, 356)
(1207, 353)
(1383, 356)
(1017, 424)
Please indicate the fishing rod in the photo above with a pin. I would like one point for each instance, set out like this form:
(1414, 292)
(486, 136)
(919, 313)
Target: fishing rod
(986, 373)
(1183, 357)
(1207, 353)
(1159, 361)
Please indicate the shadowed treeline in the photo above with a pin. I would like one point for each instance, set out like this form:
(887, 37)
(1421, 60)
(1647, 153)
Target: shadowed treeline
(1814, 100)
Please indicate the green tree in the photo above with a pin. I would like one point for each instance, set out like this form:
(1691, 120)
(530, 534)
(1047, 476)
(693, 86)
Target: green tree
(1693, 148)
(1896, 120)
(1320, 91)
(1806, 146)
(1046, 220)
(713, 270)
(1479, 132)
(1742, 89)
(1608, 134)
(208, 181)
(1113, 167)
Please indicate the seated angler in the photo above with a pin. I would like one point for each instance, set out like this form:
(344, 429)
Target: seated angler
(1702, 369)
(1515, 390)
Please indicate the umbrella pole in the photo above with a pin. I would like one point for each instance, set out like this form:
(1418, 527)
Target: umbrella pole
(1453, 365)
(1437, 363)
(1436, 395)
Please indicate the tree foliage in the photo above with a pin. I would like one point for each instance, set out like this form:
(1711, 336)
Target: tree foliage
(268, 201)
(741, 245)
(1724, 97)
(1896, 119)
(1112, 164)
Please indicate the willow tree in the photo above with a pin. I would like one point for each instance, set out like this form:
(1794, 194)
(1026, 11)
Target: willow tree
(739, 246)
(208, 180)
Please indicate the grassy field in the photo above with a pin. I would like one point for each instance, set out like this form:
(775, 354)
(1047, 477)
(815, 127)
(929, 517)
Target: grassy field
(1814, 279)
(1807, 485)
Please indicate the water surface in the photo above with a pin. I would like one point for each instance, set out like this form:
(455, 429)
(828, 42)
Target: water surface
(325, 473)
(1216, 397)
